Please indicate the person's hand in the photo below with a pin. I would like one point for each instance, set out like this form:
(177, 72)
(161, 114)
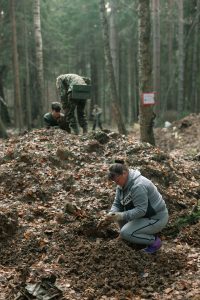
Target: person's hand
(114, 217)
(110, 218)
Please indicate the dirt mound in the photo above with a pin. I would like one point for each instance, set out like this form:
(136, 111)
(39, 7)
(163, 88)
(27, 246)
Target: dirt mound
(182, 137)
(45, 171)
(8, 223)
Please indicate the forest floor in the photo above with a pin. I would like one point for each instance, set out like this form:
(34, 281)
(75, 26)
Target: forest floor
(54, 191)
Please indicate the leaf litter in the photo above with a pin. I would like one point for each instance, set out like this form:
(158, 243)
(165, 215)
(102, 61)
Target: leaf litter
(53, 193)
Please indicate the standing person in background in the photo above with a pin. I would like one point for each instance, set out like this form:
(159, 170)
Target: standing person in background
(138, 207)
(55, 118)
(64, 84)
(96, 113)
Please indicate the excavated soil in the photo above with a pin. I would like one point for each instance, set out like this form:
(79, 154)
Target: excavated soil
(182, 137)
(42, 171)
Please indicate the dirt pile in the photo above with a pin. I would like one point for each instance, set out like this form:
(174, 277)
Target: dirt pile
(56, 186)
(182, 137)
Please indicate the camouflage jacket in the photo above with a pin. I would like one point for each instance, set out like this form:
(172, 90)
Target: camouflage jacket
(65, 82)
(50, 121)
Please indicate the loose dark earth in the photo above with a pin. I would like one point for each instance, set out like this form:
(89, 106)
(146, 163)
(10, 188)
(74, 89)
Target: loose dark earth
(53, 193)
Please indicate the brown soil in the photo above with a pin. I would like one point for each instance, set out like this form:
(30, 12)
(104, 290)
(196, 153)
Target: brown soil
(41, 236)
(182, 137)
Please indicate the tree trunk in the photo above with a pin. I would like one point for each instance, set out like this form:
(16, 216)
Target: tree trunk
(123, 79)
(114, 49)
(169, 99)
(180, 105)
(170, 55)
(156, 50)
(133, 95)
(194, 94)
(2, 66)
(94, 78)
(3, 133)
(17, 102)
(4, 114)
(197, 104)
(114, 45)
(146, 112)
(27, 80)
(110, 70)
(39, 60)
(2, 71)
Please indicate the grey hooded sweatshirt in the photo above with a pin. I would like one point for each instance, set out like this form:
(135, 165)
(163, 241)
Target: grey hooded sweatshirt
(139, 198)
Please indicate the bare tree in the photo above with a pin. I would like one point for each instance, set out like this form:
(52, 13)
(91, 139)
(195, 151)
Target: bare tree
(132, 86)
(194, 93)
(27, 80)
(3, 133)
(170, 25)
(39, 56)
(110, 70)
(156, 49)
(114, 40)
(146, 112)
(17, 102)
(180, 58)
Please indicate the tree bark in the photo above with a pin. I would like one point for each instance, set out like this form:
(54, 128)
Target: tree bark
(114, 44)
(180, 105)
(156, 51)
(27, 80)
(170, 52)
(39, 59)
(2, 72)
(3, 133)
(17, 102)
(194, 93)
(111, 77)
(146, 112)
(123, 79)
(94, 78)
(133, 88)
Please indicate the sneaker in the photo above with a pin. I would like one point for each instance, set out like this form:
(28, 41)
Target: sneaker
(154, 247)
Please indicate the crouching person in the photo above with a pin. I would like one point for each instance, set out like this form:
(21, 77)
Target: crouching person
(138, 207)
(55, 118)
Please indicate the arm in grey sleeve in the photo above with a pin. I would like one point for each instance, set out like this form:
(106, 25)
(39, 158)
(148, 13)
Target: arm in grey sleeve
(140, 202)
(117, 206)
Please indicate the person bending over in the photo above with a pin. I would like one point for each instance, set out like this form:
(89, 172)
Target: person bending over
(64, 84)
(138, 207)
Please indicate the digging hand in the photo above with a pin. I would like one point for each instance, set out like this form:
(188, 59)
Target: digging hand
(114, 217)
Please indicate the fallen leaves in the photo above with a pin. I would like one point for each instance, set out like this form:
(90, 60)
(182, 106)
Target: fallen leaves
(45, 170)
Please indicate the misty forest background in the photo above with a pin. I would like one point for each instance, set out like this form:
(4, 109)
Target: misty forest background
(127, 47)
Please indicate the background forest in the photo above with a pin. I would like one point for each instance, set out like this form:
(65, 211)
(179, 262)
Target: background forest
(54, 190)
(70, 41)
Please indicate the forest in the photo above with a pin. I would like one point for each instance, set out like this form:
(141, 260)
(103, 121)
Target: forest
(42, 39)
(142, 60)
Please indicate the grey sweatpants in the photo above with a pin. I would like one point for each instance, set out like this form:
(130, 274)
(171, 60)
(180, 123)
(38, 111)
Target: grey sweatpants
(143, 230)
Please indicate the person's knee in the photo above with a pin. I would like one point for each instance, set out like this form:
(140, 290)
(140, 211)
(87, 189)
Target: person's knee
(127, 236)
(124, 234)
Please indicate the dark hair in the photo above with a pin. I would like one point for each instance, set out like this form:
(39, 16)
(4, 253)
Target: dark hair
(117, 169)
(56, 106)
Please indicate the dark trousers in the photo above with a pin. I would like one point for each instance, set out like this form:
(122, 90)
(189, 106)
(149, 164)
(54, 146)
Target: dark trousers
(77, 105)
(97, 122)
